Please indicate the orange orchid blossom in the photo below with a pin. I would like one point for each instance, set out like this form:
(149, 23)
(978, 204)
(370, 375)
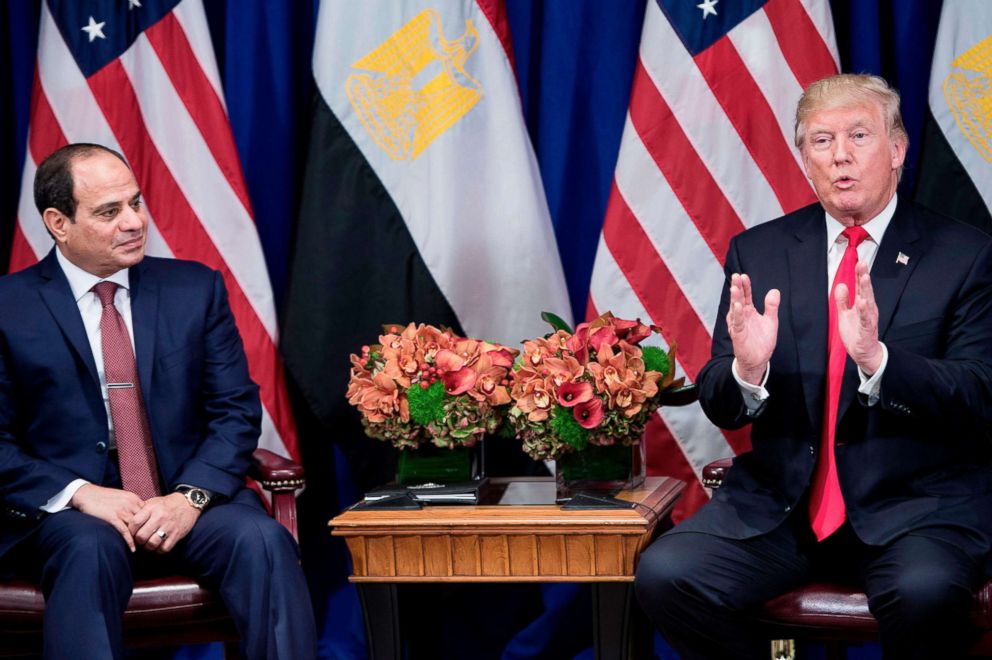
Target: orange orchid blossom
(596, 385)
(422, 383)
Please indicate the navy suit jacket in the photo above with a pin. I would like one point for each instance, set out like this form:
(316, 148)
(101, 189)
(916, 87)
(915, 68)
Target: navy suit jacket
(203, 409)
(920, 457)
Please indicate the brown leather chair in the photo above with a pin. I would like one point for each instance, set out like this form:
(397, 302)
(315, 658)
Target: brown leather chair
(166, 611)
(835, 613)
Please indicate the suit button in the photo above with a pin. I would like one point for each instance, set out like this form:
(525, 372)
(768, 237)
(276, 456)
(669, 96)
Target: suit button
(101, 447)
(788, 509)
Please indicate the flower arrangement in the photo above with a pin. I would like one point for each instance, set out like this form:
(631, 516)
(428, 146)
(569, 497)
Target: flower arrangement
(593, 386)
(425, 384)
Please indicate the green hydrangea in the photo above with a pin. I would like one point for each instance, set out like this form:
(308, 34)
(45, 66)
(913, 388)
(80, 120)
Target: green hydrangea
(426, 405)
(656, 359)
(567, 428)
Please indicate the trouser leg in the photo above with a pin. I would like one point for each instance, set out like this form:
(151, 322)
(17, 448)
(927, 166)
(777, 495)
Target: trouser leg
(921, 590)
(700, 590)
(254, 563)
(87, 582)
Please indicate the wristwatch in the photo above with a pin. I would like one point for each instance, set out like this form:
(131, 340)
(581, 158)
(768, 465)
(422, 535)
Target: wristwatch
(198, 498)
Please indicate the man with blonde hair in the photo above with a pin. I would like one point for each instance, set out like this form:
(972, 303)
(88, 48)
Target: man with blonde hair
(855, 336)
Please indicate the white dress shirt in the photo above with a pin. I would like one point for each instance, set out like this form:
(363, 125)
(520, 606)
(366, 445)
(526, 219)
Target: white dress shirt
(81, 283)
(754, 395)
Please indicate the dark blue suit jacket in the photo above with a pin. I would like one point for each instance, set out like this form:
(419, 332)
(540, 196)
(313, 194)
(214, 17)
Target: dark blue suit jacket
(203, 408)
(920, 457)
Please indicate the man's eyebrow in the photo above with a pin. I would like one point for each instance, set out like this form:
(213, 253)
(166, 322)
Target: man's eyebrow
(858, 123)
(106, 207)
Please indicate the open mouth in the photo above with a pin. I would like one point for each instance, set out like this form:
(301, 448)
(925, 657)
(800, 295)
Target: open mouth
(844, 182)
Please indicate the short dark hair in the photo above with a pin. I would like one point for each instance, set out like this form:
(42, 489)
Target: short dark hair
(53, 182)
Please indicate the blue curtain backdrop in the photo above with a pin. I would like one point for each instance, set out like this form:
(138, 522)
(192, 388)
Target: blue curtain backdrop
(574, 62)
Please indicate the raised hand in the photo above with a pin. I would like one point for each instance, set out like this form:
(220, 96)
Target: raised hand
(753, 335)
(858, 323)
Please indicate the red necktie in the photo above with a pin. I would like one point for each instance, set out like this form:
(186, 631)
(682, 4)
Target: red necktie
(135, 453)
(826, 502)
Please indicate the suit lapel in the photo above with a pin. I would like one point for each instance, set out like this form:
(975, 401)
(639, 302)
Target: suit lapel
(897, 257)
(144, 318)
(807, 305)
(57, 295)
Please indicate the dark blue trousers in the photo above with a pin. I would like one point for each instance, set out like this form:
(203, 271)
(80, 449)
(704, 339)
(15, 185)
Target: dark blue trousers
(701, 591)
(86, 572)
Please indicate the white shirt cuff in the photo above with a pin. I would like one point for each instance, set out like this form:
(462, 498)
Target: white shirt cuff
(871, 385)
(60, 502)
(754, 395)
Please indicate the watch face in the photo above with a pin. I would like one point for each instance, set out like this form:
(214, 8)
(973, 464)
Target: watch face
(198, 497)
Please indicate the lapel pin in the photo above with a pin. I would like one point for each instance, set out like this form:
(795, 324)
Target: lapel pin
(902, 259)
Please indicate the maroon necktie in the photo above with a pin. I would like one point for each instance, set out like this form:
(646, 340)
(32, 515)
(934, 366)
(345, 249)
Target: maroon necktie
(826, 503)
(135, 453)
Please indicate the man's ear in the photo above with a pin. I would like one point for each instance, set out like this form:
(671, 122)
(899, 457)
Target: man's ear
(899, 148)
(55, 221)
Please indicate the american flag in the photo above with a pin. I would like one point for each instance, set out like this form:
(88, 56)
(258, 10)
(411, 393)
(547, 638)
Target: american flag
(706, 153)
(140, 77)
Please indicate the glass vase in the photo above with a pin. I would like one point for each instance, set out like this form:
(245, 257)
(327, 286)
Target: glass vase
(601, 469)
(437, 465)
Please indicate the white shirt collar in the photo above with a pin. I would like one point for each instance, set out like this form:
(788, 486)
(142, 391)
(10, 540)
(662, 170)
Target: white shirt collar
(875, 227)
(81, 281)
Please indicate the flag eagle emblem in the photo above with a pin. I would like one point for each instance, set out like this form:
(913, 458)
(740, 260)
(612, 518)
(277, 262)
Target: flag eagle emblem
(968, 90)
(418, 86)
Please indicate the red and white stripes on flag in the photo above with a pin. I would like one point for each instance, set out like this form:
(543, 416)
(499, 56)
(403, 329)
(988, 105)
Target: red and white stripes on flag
(707, 151)
(161, 105)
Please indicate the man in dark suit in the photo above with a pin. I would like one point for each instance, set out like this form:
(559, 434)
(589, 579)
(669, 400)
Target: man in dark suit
(870, 455)
(105, 471)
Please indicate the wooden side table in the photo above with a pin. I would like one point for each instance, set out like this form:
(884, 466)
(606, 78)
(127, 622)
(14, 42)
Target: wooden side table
(506, 543)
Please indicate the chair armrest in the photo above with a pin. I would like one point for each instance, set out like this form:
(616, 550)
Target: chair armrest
(679, 396)
(282, 478)
(275, 473)
(982, 614)
(714, 473)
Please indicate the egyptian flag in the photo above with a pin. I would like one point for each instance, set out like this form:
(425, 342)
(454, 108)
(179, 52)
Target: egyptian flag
(422, 198)
(956, 162)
